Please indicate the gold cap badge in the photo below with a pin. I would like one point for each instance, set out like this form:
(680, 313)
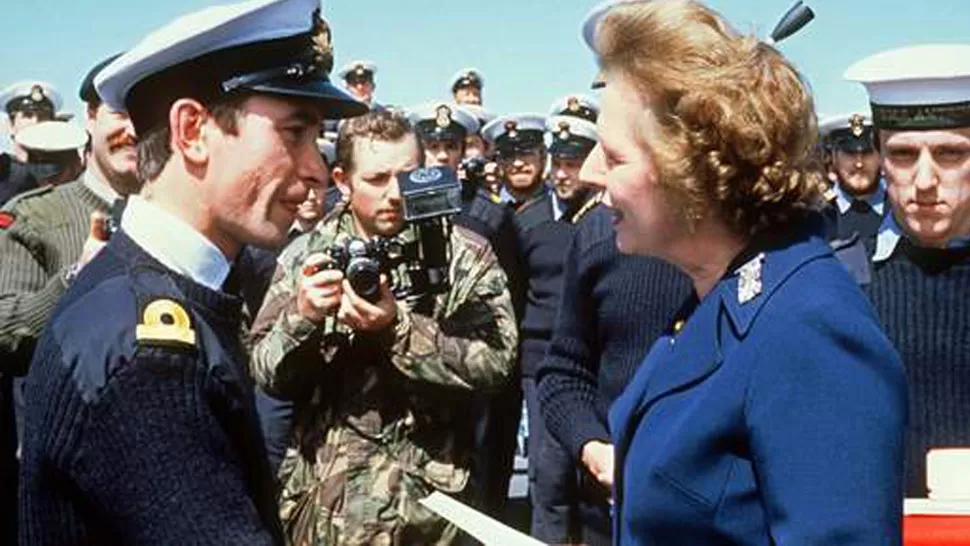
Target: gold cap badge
(858, 124)
(444, 116)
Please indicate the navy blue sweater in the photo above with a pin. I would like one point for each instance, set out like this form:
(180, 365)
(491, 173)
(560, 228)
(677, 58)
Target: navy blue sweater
(132, 440)
(613, 308)
(922, 297)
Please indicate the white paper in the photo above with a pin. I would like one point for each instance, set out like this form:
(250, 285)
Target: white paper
(487, 530)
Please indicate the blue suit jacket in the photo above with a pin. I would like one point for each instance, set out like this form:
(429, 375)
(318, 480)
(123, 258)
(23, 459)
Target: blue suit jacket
(776, 421)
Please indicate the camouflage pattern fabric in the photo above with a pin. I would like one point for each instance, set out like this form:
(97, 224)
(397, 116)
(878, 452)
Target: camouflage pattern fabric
(382, 419)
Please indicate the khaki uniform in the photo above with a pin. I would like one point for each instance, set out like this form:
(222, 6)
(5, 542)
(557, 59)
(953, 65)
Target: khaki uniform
(382, 419)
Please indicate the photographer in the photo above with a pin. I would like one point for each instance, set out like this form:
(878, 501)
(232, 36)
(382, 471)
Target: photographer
(380, 390)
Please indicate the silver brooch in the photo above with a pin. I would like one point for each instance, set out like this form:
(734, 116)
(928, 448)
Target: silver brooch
(750, 284)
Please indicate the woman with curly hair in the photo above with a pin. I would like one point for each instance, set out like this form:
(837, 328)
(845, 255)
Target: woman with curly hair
(773, 410)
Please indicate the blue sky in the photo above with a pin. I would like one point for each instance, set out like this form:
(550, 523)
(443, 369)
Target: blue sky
(529, 50)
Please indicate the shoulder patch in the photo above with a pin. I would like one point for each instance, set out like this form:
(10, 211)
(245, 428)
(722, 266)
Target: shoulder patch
(6, 219)
(29, 194)
(165, 322)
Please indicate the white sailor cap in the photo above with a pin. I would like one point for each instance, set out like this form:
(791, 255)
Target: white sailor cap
(29, 95)
(467, 77)
(595, 16)
(572, 137)
(917, 87)
(327, 150)
(51, 137)
(849, 132)
(442, 121)
(580, 106)
(279, 47)
(481, 114)
(515, 132)
(358, 69)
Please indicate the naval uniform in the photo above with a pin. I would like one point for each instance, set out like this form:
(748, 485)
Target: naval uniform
(140, 423)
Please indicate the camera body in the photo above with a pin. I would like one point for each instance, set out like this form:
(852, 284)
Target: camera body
(363, 262)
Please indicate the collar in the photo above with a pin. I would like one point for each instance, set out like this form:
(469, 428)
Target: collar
(558, 206)
(746, 289)
(890, 233)
(100, 188)
(174, 243)
(876, 199)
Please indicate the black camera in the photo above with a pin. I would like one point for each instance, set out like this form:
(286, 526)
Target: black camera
(363, 262)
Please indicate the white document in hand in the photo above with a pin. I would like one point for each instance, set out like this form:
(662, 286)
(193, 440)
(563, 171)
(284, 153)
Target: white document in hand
(487, 530)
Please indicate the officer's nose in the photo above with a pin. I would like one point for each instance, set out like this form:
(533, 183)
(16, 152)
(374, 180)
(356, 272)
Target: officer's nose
(312, 171)
(518, 163)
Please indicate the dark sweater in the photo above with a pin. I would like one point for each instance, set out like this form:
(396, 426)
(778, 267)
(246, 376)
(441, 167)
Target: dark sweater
(541, 241)
(613, 308)
(130, 439)
(922, 297)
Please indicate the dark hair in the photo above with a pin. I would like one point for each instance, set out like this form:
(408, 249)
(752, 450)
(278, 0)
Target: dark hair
(154, 147)
(382, 125)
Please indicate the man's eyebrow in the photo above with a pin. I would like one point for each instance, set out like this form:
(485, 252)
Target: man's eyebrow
(304, 115)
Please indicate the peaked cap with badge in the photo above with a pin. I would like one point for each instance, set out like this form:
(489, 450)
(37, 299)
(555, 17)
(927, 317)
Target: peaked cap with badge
(31, 96)
(438, 121)
(580, 106)
(850, 133)
(572, 137)
(277, 47)
(467, 77)
(515, 133)
(358, 71)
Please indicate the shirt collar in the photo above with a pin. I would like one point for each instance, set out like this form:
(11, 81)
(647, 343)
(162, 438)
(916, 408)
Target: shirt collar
(876, 199)
(100, 188)
(890, 233)
(558, 206)
(174, 243)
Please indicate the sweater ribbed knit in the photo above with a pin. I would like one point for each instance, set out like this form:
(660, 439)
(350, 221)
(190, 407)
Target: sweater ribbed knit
(922, 297)
(613, 308)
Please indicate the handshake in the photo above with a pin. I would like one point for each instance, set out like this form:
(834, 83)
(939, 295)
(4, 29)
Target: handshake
(351, 279)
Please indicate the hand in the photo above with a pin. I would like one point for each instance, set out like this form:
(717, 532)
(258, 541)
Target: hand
(97, 239)
(597, 457)
(364, 316)
(320, 290)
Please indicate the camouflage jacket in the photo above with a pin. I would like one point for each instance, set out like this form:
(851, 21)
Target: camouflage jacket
(381, 419)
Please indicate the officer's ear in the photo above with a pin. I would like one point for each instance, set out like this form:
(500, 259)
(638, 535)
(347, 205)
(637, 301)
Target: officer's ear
(187, 119)
(341, 179)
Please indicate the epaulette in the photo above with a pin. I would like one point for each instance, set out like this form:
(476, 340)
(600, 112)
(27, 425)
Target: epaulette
(589, 205)
(26, 196)
(165, 323)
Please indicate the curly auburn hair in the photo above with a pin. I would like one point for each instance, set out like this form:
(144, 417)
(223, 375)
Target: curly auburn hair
(737, 127)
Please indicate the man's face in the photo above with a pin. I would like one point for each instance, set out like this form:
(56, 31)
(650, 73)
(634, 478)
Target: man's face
(261, 174)
(311, 209)
(858, 172)
(362, 88)
(475, 146)
(442, 153)
(113, 148)
(523, 169)
(372, 189)
(928, 176)
(468, 95)
(565, 177)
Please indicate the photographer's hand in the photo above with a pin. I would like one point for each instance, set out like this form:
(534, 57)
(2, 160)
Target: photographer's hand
(320, 291)
(364, 316)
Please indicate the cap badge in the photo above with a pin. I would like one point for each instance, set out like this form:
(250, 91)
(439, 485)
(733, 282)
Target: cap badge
(36, 93)
(563, 130)
(511, 127)
(572, 104)
(749, 285)
(858, 125)
(443, 118)
(322, 46)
